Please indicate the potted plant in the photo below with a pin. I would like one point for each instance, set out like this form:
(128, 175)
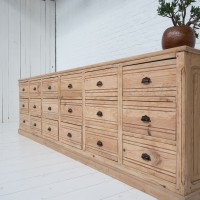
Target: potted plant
(184, 31)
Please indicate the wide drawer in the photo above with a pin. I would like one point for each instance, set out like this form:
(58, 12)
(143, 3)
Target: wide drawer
(24, 106)
(35, 88)
(24, 122)
(50, 108)
(150, 118)
(35, 107)
(23, 89)
(50, 129)
(153, 158)
(71, 135)
(50, 87)
(36, 125)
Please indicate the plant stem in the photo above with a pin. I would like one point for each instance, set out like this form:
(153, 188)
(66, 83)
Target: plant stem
(193, 21)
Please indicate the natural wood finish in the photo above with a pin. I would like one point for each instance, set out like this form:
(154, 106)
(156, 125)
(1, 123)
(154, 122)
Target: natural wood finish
(35, 88)
(36, 125)
(35, 107)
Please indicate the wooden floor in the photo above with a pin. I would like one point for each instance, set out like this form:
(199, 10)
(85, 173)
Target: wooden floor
(30, 171)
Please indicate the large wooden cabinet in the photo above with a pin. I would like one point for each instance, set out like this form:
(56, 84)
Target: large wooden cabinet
(136, 119)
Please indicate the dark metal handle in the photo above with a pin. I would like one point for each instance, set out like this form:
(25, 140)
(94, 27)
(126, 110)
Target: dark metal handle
(146, 80)
(34, 106)
(145, 118)
(146, 157)
(23, 105)
(70, 110)
(49, 129)
(34, 124)
(49, 108)
(23, 89)
(99, 143)
(69, 135)
(34, 88)
(70, 86)
(49, 87)
(99, 84)
(99, 114)
(24, 121)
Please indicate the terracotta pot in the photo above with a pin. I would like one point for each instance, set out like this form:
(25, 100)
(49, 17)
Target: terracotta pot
(178, 36)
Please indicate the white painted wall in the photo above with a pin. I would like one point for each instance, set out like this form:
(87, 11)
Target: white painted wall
(27, 47)
(92, 31)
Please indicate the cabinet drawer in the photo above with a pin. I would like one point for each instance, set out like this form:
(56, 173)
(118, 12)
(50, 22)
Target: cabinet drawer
(70, 134)
(35, 107)
(50, 129)
(50, 108)
(24, 122)
(150, 157)
(158, 77)
(36, 125)
(150, 118)
(23, 89)
(35, 88)
(101, 143)
(24, 106)
(50, 87)
(101, 113)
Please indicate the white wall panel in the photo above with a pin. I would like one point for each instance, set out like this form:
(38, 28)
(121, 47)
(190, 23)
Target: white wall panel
(92, 31)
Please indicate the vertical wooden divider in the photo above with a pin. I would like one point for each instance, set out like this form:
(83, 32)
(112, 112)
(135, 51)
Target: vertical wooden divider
(83, 107)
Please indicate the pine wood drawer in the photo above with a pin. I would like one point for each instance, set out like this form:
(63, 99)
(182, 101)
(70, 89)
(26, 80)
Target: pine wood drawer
(35, 107)
(71, 135)
(50, 108)
(106, 113)
(50, 87)
(35, 88)
(24, 106)
(150, 118)
(24, 122)
(23, 89)
(50, 129)
(71, 86)
(36, 125)
(153, 158)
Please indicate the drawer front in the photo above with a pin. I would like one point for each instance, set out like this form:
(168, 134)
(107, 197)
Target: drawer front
(150, 118)
(36, 125)
(71, 135)
(50, 129)
(101, 143)
(150, 157)
(145, 79)
(35, 107)
(50, 86)
(24, 122)
(101, 83)
(50, 106)
(101, 113)
(23, 89)
(35, 88)
(24, 106)
(71, 84)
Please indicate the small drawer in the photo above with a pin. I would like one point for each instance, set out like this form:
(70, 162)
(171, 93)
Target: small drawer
(71, 135)
(36, 125)
(153, 158)
(24, 122)
(50, 108)
(35, 107)
(101, 143)
(24, 106)
(107, 113)
(23, 89)
(71, 109)
(101, 83)
(150, 118)
(50, 87)
(50, 129)
(35, 88)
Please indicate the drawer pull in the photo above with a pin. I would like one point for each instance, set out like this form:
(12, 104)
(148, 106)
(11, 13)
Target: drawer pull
(146, 80)
(70, 110)
(99, 84)
(34, 88)
(34, 106)
(70, 86)
(23, 105)
(99, 143)
(99, 114)
(34, 124)
(49, 129)
(24, 121)
(69, 135)
(49, 108)
(23, 89)
(146, 157)
(49, 87)
(145, 118)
